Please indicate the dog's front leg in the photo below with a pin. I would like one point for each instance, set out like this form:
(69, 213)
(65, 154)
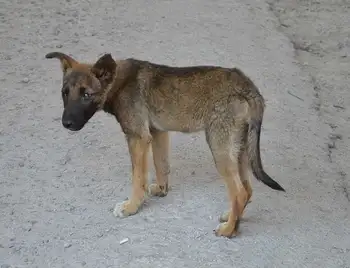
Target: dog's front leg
(160, 148)
(138, 149)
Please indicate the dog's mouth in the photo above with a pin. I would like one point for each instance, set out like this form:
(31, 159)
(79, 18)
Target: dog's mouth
(67, 124)
(74, 129)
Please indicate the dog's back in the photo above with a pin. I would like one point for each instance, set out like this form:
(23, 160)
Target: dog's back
(187, 99)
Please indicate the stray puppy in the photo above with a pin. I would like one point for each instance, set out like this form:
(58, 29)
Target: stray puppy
(149, 100)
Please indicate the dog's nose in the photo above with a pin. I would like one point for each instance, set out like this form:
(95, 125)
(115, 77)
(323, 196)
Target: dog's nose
(67, 123)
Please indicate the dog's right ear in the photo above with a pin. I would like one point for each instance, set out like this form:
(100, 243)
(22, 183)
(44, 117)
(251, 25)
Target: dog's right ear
(67, 62)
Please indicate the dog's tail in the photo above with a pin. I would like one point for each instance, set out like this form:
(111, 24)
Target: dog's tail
(257, 107)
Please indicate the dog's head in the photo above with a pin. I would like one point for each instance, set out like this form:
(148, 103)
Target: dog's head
(84, 87)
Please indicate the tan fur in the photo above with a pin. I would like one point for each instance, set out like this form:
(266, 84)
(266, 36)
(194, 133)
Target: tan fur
(150, 100)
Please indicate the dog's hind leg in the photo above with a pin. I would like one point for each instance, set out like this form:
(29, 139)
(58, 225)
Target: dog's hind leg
(138, 149)
(245, 179)
(160, 148)
(225, 143)
(244, 173)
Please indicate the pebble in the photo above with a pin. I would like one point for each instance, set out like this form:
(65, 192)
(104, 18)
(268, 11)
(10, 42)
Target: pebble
(67, 245)
(124, 241)
(25, 80)
(59, 46)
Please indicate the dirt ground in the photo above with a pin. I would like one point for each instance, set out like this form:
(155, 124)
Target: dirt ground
(58, 189)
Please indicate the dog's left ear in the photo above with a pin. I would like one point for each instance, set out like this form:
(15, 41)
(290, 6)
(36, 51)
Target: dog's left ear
(67, 62)
(104, 69)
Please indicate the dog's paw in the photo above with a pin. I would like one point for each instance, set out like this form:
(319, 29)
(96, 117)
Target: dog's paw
(157, 190)
(126, 208)
(227, 230)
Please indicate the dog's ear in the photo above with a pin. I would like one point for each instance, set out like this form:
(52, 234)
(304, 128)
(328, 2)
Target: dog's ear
(104, 69)
(67, 62)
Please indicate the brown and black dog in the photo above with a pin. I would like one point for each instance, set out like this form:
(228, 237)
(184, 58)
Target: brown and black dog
(149, 100)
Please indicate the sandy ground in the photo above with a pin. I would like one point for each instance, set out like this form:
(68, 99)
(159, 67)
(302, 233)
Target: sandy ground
(57, 189)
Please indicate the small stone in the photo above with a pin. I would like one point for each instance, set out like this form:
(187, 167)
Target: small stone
(25, 80)
(59, 46)
(5, 266)
(331, 145)
(67, 245)
(124, 241)
(83, 263)
(21, 164)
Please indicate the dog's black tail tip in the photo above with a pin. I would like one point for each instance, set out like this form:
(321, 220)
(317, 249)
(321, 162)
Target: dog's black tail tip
(267, 180)
(278, 188)
(274, 185)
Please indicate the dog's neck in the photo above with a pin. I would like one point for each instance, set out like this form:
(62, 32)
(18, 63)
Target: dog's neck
(124, 72)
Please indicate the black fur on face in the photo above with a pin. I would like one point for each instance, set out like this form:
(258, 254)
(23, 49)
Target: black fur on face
(80, 94)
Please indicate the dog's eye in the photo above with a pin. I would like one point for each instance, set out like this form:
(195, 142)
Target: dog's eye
(86, 95)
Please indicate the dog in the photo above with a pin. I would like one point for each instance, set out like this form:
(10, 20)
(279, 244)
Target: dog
(150, 100)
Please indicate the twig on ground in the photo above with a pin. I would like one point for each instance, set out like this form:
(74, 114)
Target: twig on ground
(290, 93)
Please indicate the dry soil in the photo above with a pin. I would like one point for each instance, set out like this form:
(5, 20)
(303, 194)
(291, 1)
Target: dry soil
(58, 189)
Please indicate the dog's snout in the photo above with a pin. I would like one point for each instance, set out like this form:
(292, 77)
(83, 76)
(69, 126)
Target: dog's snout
(67, 123)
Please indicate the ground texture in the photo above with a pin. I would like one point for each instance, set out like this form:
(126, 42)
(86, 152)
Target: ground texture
(58, 189)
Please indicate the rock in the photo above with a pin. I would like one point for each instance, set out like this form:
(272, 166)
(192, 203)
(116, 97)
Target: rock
(67, 245)
(25, 80)
(124, 241)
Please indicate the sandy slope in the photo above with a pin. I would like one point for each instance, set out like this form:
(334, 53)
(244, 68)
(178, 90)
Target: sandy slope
(57, 189)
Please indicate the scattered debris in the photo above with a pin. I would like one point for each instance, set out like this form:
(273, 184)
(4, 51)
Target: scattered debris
(124, 241)
(338, 106)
